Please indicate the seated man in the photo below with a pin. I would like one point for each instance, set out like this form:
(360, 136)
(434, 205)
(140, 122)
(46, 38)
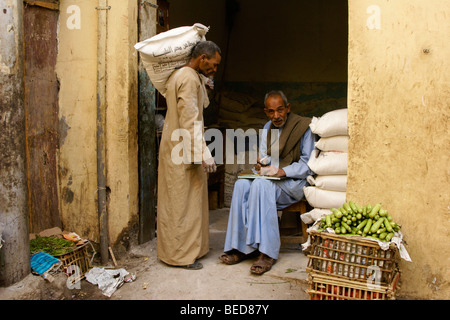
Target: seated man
(253, 220)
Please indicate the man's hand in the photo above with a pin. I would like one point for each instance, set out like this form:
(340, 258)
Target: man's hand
(209, 165)
(272, 171)
(263, 162)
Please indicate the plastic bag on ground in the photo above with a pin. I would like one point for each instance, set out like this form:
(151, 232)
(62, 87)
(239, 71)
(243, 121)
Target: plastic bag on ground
(108, 281)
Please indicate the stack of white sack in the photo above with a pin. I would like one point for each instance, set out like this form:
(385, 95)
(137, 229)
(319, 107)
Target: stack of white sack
(162, 53)
(327, 188)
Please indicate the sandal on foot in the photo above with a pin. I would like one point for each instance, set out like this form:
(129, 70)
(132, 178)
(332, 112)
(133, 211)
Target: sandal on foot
(194, 266)
(262, 265)
(234, 256)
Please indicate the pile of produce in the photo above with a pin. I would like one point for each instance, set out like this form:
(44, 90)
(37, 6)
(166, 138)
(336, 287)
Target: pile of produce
(367, 221)
(51, 245)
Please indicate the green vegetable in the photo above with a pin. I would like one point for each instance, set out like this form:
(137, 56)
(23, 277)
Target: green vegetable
(328, 220)
(387, 224)
(368, 221)
(51, 245)
(347, 207)
(360, 210)
(376, 225)
(322, 222)
(368, 226)
(382, 235)
(337, 213)
(362, 224)
(389, 236)
(375, 210)
(346, 226)
(353, 206)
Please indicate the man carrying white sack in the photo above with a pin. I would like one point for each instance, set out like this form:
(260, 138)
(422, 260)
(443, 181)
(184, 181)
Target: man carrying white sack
(183, 211)
(253, 221)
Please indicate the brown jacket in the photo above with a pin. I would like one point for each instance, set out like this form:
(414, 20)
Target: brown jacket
(290, 138)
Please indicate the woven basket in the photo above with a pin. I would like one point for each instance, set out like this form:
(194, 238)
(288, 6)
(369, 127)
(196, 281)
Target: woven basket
(351, 258)
(325, 287)
(76, 263)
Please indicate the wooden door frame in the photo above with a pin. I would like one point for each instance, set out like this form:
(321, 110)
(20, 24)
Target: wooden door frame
(41, 86)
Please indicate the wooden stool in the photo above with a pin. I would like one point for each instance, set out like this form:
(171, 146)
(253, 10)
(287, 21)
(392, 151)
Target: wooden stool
(292, 228)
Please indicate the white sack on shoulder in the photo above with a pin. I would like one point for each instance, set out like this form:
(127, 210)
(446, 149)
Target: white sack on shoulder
(334, 143)
(328, 162)
(333, 123)
(162, 53)
(314, 215)
(326, 199)
(337, 182)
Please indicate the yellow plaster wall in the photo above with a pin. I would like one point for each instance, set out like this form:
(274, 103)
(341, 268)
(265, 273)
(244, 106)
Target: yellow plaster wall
(77, 73)
(398, 115)
(121, 127)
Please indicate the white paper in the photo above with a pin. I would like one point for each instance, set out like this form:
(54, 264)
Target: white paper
(108, 281)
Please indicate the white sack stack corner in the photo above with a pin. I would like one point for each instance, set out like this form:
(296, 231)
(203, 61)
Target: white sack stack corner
(328, 186)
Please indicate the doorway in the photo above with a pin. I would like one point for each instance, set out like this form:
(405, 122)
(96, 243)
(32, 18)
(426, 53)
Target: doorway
(298, 46)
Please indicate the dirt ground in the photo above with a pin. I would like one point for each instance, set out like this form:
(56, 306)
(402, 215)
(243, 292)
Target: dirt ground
(156, 281)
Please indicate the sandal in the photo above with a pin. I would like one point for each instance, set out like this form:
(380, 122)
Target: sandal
(262, 265)
(194, 266)
(234, 256)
